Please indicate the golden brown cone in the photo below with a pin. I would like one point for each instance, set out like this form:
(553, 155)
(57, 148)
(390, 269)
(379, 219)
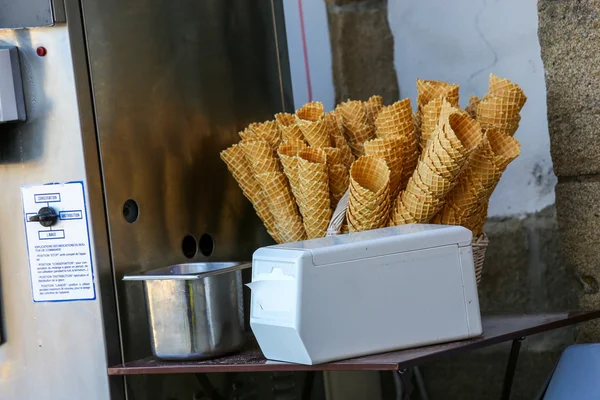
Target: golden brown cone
(240, 170)
(347, 156)
(353, 113)
(395, 119)
(356, 123)
(507, 90)
(334, 155)
(410, 156)
(287, 125)
(462, 127)
(335, 128)
(268, 131)
(339, 179)
(287, 155)
(311, 121)
(480, 177)
(282, 205)
(441, 162)
(428, 90)
(390, 148)
(247, 134)
(260, 156)
(495, 112)
(400, 216)
(314, 201)
(368, 202)
(373, 106)
(430, 118)
(471, 108)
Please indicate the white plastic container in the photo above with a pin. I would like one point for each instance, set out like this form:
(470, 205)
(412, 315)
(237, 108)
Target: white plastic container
(363, 293)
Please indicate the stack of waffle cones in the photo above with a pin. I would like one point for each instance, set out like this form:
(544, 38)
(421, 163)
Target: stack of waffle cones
(464, 204)
(430, 96)
(501, 106)
(366, 165)
(357, 124)
(456, 137)
(369, 200)
(275, 187)
(397, 120)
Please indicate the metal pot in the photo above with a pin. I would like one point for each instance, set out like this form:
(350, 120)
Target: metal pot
(195, 310)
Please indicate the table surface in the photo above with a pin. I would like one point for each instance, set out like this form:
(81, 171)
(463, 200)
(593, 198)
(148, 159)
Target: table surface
(496, 329)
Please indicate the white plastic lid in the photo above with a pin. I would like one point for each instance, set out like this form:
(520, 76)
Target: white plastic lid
(378, 242)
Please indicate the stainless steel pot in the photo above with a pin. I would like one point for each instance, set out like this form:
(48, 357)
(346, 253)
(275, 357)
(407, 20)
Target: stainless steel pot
(195, 310)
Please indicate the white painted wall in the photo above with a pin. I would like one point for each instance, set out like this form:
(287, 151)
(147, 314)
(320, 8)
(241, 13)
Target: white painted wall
(460, 41)
(313, 15)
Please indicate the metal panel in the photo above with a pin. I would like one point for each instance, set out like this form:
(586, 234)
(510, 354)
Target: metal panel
(29, 13)
(173, 83)
(51, 350)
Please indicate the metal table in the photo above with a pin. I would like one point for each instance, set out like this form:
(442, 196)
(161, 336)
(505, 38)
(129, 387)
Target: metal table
(496, 329)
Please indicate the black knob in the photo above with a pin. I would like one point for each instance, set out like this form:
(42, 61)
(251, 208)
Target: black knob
(46, 216)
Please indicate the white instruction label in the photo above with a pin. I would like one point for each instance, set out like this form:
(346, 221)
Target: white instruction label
(60, 260)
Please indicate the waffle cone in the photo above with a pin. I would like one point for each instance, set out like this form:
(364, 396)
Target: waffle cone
(290, 131)
(420, 210)
(417, 124)
(260, 156)
(507, 90)
(311, 121)
(336, 129)
(433, 181)
(368, 201)
(496, 112)
(339, 179)
(314, 201)
(400, 216)
(459, 125)
(390, 149)
(287, 155)
(505, 148)
(428, 90)
(479, 178)
(430, 118)
(347, 156)
(373, 106)
(357, 136)
(395, 119)
(410, 156)
(281, 203)
(471, 108)
(268, 131)
(240, 170)
(354, 114)
(334, 155)
(247, 134)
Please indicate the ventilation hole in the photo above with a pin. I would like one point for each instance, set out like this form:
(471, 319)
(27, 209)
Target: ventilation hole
(189, 247)
(207, 244)
(131, 211)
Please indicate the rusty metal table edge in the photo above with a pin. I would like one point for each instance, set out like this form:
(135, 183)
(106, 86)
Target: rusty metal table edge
(263, 365)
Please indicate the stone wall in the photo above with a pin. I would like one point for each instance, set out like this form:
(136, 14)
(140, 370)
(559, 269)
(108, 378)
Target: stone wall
(362, 47)
(569, 32)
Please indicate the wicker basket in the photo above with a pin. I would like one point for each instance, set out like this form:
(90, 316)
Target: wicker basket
(480, 243)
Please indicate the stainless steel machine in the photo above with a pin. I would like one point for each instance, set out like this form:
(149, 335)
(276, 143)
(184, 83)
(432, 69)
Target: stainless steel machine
(132, 100)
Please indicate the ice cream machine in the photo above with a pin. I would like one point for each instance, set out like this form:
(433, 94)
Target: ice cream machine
(112, 116)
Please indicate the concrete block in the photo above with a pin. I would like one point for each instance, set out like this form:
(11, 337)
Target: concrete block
(569, 34)
(578, 212)
(524, 270)
(362, 47)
